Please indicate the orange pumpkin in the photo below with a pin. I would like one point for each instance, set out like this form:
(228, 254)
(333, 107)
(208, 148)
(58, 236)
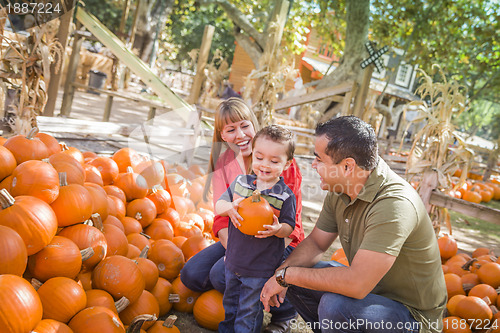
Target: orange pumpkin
(73, 151)
(208, 310)
(168, 257)
(25, 148)
(50, 142)
(143, 210)
(452, 303)
(66, 163)
(61, 257)
(116, 207)
(447, 247)
(107, 167)
(152, 171)
(161, 291)
(35, 178)
(98, 297)
(489, 273)
(119, 276)
(20, 307)
(166, 326)
(133, 184)
(193, 245)
(256, 212)
(92, 175)
(14, 255)
(61, 298)
(145, 304)
(99, 200)
(483, 290)
(52, 326)
(187, 297)
(115, 191)
(96, 319)
(116, 240)
(453, 285)
(7, 162)
(472, 196)
(126, 157)
(160, 229)
(161, 198)
(30, 217)
(475, 310)
(149, 271)
(73, 205)
(131, 225)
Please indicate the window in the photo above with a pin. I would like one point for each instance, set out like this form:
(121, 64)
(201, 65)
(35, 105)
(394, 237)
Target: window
(404, 75)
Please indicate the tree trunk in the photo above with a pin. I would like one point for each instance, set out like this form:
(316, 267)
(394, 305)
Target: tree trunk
(358, 12)
(152, 18)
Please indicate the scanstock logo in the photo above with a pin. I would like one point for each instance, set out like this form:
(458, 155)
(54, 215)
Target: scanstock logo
(23, 15)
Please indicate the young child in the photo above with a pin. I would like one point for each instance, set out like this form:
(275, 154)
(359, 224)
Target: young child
(251, 260)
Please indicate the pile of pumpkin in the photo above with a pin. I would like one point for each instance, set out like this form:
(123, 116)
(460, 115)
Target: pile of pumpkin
(472, 283)
(91, 242)
(474, 190)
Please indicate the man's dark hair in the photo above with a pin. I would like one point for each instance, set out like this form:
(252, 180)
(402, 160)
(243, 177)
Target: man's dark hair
(278, 134)
(349, 136)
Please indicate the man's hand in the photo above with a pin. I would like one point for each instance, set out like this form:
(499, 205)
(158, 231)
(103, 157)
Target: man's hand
(272, 229)
(272, 294)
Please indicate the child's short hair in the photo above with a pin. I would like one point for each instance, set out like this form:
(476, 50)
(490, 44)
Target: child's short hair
(279, 134)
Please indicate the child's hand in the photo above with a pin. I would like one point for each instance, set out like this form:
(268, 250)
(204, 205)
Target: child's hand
(233, 213)
(272, 229)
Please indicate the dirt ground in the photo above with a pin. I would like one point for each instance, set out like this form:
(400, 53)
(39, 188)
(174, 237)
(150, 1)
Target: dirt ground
(90, 107)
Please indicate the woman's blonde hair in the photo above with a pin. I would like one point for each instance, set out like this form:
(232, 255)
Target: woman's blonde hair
(229, 111)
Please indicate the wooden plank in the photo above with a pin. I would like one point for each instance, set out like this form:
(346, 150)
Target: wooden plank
(315, 96)
(69, 89)
(135, 64)
(360, 98)
(107, 108)
(206, 43)
(143, 101)
(468, 208)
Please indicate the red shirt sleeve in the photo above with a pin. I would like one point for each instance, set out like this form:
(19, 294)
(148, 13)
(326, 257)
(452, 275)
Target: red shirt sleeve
(293, 179)
(220, 183)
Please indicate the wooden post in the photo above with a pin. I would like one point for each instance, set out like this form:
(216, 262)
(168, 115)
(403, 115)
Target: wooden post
(55, 78)
(69, 89)
(152, 112)
(107, 108)
(360, 99)
(206, 42)
(123, 21)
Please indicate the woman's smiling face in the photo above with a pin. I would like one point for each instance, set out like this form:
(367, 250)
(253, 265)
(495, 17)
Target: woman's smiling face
(239, 136)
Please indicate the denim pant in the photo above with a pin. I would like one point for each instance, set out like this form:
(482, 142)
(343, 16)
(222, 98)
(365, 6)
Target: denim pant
(206, 271)
(330, 312)
(242, 305)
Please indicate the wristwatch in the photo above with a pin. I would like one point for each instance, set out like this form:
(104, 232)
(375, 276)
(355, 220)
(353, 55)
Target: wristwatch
(280, 277)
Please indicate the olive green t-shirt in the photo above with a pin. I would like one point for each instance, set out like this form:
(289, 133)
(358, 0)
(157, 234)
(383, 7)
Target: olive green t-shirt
(388, 216)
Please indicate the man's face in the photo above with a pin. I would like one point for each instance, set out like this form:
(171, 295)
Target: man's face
(332, 176)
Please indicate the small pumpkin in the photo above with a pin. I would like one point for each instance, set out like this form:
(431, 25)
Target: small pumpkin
(7, 162)
(133, 184)
(35, 178)
(167, 257)
(107, 167)
(145, 304)
(161, 198)
(126, 157)
(447, 246)
(193, 245)
(162, 290)
(143, 210)
(96, 319)
(474, 310)
(25, 148)
(52, 326)
(186, 296)
(160, 229)
(256, 212)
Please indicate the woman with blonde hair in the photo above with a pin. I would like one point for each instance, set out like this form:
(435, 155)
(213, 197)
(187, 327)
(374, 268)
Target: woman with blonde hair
(234, 130)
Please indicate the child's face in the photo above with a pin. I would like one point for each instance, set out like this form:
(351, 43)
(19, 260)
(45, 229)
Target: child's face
(269, 159)
(239, 135)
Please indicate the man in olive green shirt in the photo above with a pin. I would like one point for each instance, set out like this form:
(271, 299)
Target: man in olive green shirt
(394, 282)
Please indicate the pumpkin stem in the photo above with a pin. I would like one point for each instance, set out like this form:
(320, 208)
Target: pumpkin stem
(256, 196)
(64, 146)
(6, 200)
(174, 298)
(144, 252)
(87, 253)
(487, 300)
(145, 235)
(138, 216)
(97, 221)
(36, 283)
(130, 169)
(121, 304)
(169, 322)
(32, 133)
(63, 179)
(469, 263)
(494, 309)
(135, 325)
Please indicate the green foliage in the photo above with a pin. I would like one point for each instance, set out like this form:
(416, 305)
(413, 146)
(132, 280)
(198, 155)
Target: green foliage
(110, 12)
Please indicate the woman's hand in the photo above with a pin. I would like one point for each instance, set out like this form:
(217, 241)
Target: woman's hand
(271, 229)
(233, 213)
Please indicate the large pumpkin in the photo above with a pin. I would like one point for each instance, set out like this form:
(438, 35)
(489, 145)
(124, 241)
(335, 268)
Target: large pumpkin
(120, 277)
(186, 296)
(61, 298)
(208, 310)
(75, 174)
(20, 308)
(52, 326)
(30, 217)
(13, 256)
(256, 212)
(99, 200)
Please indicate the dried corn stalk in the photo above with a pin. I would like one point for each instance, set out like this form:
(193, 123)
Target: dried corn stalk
(275, 68)
(25, 68)
(215, 72)
(438, 149)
